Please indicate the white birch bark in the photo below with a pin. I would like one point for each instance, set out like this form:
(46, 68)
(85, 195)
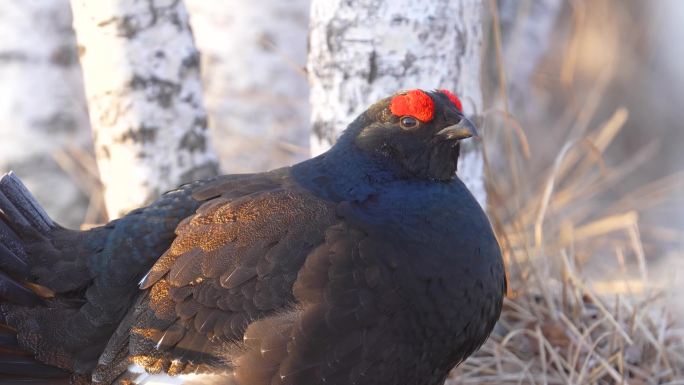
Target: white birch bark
(42, 106)
(361, 51)
(142, 81)
(253, 55)
(527, 28)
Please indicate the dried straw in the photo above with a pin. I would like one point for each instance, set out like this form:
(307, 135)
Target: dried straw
(561, 324)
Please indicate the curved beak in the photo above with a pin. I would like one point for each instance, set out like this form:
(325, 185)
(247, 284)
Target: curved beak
(462, 130)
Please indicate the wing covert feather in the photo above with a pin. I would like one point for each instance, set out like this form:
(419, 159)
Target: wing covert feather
(233, 262)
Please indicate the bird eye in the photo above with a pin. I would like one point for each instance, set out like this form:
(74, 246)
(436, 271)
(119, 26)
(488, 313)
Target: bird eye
(408, 122)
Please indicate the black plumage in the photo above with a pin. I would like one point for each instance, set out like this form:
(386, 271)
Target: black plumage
(369, 264)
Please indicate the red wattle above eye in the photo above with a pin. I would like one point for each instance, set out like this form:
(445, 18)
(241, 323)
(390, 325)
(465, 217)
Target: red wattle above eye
(454, 99)
(415, 103)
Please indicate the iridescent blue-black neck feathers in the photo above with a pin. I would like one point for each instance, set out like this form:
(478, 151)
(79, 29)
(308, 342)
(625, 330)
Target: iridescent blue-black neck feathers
(381, 146)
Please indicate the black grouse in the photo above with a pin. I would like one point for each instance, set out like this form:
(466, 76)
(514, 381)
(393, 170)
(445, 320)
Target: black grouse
(371, 264)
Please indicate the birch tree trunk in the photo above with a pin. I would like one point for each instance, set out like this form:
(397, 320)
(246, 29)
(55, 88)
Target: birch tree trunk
(527, 27)
(255, 87)
(142, 81)
(364, 50)
(42, 106)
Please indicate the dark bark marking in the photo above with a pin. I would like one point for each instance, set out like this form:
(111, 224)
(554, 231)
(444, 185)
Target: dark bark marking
(333, 32)
(325, 131)
(373, 67)
(64, 56)
(128, 26)
(105, 23)
(143, 134)
(190, 63)
(318, 129)
(56, 123)
(203, 171)
(190, 99)
(398, 20)
(193, 142)
(266, 42)
(158, 90)
(423, 36)
(439, 31)
(200, 123)
(176, 21)
(13, 56)
(461, 43)
(408, 61)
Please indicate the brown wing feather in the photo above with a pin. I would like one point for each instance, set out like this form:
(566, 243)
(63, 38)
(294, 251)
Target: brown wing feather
(233, 262)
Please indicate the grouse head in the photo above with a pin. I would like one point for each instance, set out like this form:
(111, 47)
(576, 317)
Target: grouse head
(417, 132)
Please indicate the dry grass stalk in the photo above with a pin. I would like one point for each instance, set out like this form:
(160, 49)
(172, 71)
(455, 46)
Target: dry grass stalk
(567, 321)
(563, 323)
(81, 167)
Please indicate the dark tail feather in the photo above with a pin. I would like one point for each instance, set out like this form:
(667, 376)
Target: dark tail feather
(21, 207)
(12, 256)
(17, 366)
(21, 217)
(27, 250)
(13, 291)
